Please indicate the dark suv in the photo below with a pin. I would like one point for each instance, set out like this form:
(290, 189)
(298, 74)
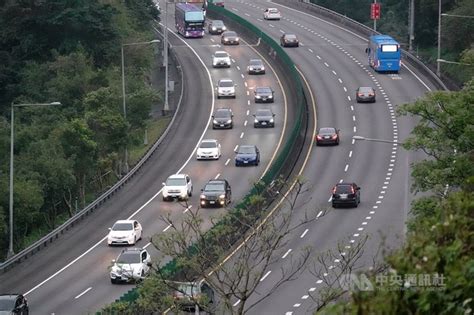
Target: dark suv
(216, 193)
(345, 194)
(13, 304)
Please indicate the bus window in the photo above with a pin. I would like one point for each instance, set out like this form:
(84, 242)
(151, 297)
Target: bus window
(389, 48)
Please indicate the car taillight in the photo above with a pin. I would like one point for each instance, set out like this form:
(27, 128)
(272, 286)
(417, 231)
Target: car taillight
(334, 190)
(352, 190)
(371, 94)
(319, 137)
(334, 137)
(360, 94)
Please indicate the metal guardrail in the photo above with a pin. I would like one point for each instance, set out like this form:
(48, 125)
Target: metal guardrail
(57, 232)
(362, 30)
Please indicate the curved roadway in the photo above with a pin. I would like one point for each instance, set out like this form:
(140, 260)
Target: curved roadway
(71, 276)
(333, 61)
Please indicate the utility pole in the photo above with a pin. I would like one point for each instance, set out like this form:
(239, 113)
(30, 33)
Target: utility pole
(412, 25)
(166, 107)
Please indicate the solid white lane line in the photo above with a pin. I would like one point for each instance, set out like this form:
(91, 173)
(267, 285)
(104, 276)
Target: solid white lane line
(83, 292)
(217, 176)
(265, 275)
(304, 233)
(227, 162)
(167, 228)
(286, 254)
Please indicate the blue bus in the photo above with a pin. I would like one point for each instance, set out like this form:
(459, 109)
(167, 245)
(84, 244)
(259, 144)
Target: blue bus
(189, 20)
(384, 53)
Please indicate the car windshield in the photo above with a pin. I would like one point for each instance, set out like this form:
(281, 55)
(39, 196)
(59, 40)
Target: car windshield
(255, 62)
(264, 112)
(176, 182)
(272, 10)
(327, 131)
(122, 227)
(221, 54)
(214, 187)
(7, 303)
(222, 114)
(217, 23)
(226, 83)
(230, 34)
(246, 149)
(343, 189)
(129, 258)
(263, 90)
(188, 289)
(208, 144)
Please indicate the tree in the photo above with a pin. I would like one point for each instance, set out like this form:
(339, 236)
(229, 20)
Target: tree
(196, 253)
(445, 133)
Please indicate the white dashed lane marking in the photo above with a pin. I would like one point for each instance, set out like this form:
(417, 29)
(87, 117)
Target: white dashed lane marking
(265, 275)
(286, 254)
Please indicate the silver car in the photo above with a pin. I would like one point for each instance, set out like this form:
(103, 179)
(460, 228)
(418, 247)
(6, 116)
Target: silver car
(226, 88)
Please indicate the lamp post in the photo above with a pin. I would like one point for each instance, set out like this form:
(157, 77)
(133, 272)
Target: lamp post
(375, 140)
(11, 252)
(166, 107)
(124, 102)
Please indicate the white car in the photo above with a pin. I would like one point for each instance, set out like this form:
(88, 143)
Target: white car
(221, 59)
(225, 88)
(125, 232)
(177, 186)
(209, 149)
(272, 14)
(132, 264)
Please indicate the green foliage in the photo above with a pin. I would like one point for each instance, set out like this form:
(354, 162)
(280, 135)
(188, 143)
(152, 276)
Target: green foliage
(445, 132)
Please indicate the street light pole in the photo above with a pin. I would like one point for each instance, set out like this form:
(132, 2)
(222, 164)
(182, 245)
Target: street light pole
(124, 102)
(11, 252)
(438, 65)
(412, 25)
(166, 106)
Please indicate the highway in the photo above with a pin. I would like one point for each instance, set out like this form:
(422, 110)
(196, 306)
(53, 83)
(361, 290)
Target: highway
(334, 63)
(71, 276)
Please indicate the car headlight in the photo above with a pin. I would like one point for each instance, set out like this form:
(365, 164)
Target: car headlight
(214, 121)
(202, 196)
(229, 121)
(214, 28)
(222, 196)
(263, 68)
(271, 120)
(224, 28)
(237, 39)
(258, 96)
(256, 120)
(225, 39)
(270, 96)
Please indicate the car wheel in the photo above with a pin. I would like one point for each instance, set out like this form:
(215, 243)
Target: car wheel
(190, 193)
(164, 198)
(113, 281)
(334, 205)
(337, 142)
(218, 97)
(134, 240)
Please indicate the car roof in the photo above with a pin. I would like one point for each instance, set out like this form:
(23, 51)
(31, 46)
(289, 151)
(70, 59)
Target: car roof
(221, 52)
(124, 221)
(209, 140)
(264, 110)
(289, 35)
(177, 176)
(248, 146)
(223, 109)
(226, 80)
(256, 60)
(217, 181)
(217, 21)
(132, 249)
(229, 33)
(262, 87)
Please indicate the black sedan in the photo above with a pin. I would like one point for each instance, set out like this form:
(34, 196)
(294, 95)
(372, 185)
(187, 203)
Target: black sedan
(216, 27)
(264, 118)
(256, 66)
(222, 119)
(230, 38)
(365, 94)
(264, 94)
(247, 155)
(289, 40)
(327, 135)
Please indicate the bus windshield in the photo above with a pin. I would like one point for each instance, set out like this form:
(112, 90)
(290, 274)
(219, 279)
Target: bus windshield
(389, 48)
(196, 16)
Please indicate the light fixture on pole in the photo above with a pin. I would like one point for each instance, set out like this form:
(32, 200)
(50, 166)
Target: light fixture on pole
(124, 102)
(11, 252)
